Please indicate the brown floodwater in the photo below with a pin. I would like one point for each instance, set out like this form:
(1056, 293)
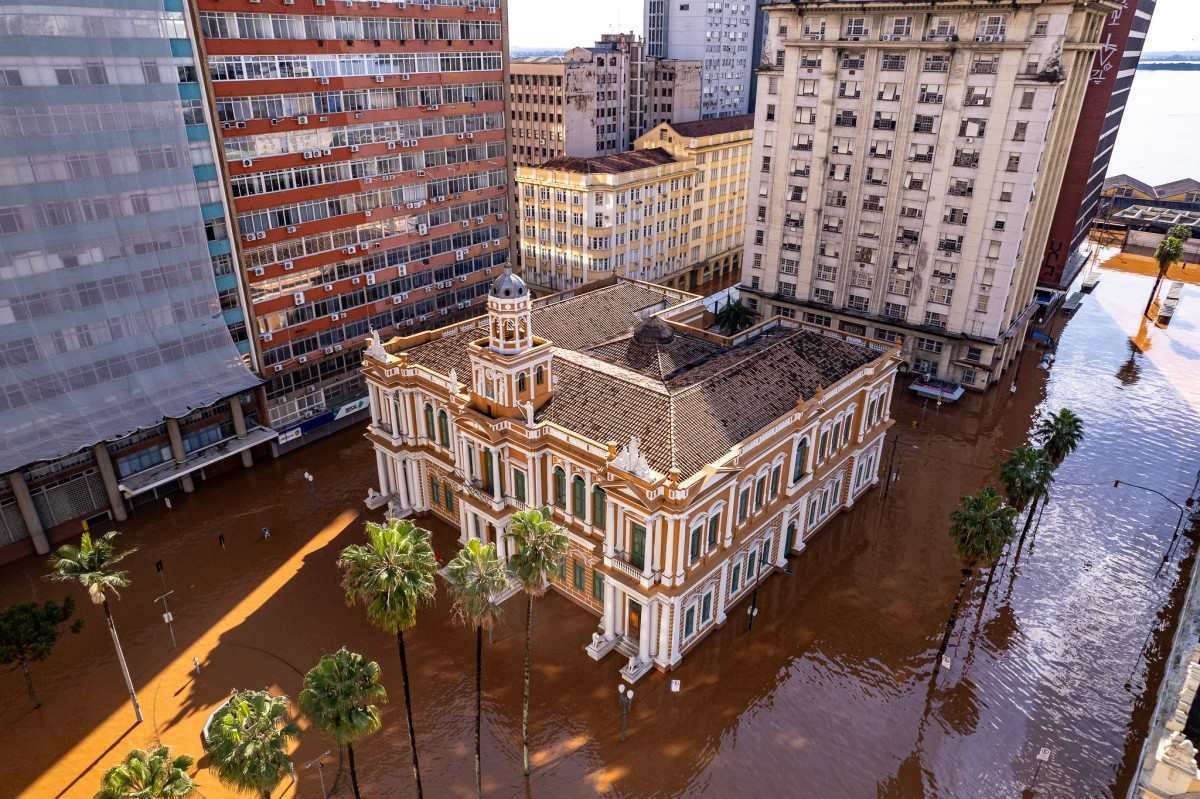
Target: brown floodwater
(826, 696)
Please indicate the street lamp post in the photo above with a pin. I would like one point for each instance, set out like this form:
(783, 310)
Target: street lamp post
(1178, 524)
(753, 610)
(319, 762)
(625, 700)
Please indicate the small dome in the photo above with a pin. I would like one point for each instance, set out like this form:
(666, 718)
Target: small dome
(508, 286)
(653, 331)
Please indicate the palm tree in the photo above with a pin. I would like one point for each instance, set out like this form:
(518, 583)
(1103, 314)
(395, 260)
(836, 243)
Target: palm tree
(148, 774)
(1027, 476)
(476, 577)
(540, 546)
(339, 695)
(91, 564)
(1060, 435)
(1168, 251)
(392, 575)
(247, 740)
(980, 527)
(734, 317)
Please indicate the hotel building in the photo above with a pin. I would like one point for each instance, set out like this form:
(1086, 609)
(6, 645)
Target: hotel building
(669, 211)
(1109, 81)
(124, 355)
(908, 158)
(365, 144)
(685, 466)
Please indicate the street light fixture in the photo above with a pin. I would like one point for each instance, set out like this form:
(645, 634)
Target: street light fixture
(625, 700)
(1188, 503)
(319, 762)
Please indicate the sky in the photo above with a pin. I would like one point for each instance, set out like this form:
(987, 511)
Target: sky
(560, 24)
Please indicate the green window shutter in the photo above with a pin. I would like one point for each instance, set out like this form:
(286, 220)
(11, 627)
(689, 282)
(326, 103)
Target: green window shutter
(637, 547)
(736, 580)
(435, 490)
(798, 468)
(714, 529)
(775, 475)
(579, 571)
(760, 490)
(689, 622)
(562, 568)
(743, 504)
(449, 497)
(599, 507)
(429, 431)
(598, 586)
(444, 429)
(706, 609)
(487, 471)
(578, 497)
(560, 487)
(519, 484)
(695, 543)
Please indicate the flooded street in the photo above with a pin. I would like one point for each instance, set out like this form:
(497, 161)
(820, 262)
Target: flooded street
(825, 697)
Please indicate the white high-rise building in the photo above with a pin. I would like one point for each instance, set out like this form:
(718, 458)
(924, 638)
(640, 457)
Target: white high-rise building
(721, 35)
(907, 161)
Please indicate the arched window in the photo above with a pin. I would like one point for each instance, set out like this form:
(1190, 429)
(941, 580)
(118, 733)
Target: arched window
(560, 487)
(539, 376)
(521, 383)
(599, 507)
(429, 433)
(800, 461)
(578, 497)
(444, 429)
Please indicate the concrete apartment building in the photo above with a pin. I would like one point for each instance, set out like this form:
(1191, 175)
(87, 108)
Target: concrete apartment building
(907, 161)
(123, 349)
(596, 100)
(365, 146)
(1109, 82)
(721, 36)
(685, 466)
(669, 211)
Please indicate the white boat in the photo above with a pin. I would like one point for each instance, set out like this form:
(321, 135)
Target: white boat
(940, 390)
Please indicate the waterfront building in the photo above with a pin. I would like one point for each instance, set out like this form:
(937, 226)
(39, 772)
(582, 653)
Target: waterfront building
(670, 211)
(1110, 79)
(685, 466)
(596, 100)
(365, 145)
(722, 36)
(124, 355)
(907, 161)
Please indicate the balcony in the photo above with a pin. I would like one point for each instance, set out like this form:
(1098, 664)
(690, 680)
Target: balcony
(803, 146)
(846, 122)
(923, 158)
(926, 97)
(885, 124)
(949, 246)
(970, 160)
(872, 207)
(849, 95)
(984, 68)
(620, 562)
(961, 191)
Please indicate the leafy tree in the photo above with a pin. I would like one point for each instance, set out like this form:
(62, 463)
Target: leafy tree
(476, 577)
(1167, 253)
(247, 740)
(1060, 434)
(540, 547)
(28, 633)
(92, 565)
(339, 697)
(734, 317)
(980, 527)
(1027, 476)
(148, 774)
(392, 575)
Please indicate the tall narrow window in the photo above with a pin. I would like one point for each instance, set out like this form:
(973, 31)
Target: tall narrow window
(743, 505)
(519, 485)
(637, 546)
(760, 491)
(444, 429)
(599, 507)
(694, 545)
(597, 586)
(429, 432)
(775, 476)
(578, 497)
(488, 463)
(560, 487)
(714, 529)
(800, 460)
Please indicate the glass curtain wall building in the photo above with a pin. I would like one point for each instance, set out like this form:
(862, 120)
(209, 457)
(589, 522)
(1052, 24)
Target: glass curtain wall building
(125, 366)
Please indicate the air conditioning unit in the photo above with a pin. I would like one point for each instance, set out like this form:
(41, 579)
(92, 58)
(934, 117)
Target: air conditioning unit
(379, 79)
(303, 359)
(405, 76)
(356, 280)
(257, 271)
(319, 2)
(329, 350)
(279, 366)
(328, 287)
(423, 229)
(367, 213)
(391, 145)
(289, 2)
(462, 136)
(302, 120)
(465, 224)
(266, 336)
(298, 298)
(374, 3)
(397, 299)
(291, 228)
(333, 317)
(247, 162)
(350, 250)
(323, 81)
(241, 124)
(420, 173)
(262, 235)
(309, 155)
(370, 278)
(289, 265)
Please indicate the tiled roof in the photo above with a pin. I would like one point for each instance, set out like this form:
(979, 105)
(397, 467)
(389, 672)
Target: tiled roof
(1177, 187)
(687, 398)
(617, 162)
(1157, 192)
(712, 127)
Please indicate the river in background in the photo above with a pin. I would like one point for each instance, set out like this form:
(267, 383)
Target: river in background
(1157, 141)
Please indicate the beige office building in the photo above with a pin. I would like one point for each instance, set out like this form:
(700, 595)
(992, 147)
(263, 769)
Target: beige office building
(670, 211)
(907, 160)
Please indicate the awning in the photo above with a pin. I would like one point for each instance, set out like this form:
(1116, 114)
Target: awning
(166, 472)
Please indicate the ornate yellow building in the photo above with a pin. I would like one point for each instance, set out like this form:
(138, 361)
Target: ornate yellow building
(684, 465)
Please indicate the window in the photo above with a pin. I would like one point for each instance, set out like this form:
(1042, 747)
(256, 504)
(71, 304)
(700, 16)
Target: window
(444, 429)
(776, 474)
(577, 574)
(743, 508)
(599, 507)
(637, 546)
(714, 529)
(597, 586)
(800, 460)
(760, 491)
(706, 608)
(435, 490)
(823, 448)
(540, 375)
(689, 622)
(735, 579)
(519, 485)
(429, 422)
(522, 383)
(578, 497)
(694, 543)
(560, 488)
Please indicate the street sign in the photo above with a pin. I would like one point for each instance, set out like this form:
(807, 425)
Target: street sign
(674, 686)
(168, 617)
(1043, 754)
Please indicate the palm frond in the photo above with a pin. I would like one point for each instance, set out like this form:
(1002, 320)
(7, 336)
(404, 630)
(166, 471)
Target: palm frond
(539, 545)
(392, 575)
(476, 577)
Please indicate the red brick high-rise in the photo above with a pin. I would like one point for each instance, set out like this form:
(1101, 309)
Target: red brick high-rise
(365, 146)
(1109, 84)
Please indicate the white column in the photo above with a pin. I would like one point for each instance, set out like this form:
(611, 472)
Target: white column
(662, 645)
(401, 472)
(464, 523)
(652, 638)
(495, 475)
(381, 466)
(610, 610)
(730, 514)
(778, 549)
(683, 549)
(587, 500)
(721, 591)
(610, 524)
(644, 631)
(373, 400)
(535, 480)
(501, 544)
(648, 565)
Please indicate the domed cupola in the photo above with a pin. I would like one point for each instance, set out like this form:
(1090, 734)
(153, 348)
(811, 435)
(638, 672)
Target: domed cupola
(510, 321)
